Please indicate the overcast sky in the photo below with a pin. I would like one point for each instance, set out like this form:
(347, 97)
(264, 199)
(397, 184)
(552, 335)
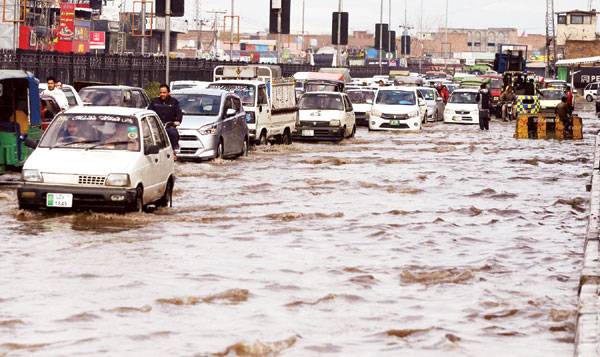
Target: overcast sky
(364, 13)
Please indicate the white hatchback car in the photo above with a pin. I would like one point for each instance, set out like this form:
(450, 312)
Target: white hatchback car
(100, 158)
(325, 116)
(462, 108)
(590, 93)
(398, 108)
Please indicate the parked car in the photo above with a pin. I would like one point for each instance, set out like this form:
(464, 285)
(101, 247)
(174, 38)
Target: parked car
(462, 107)
(213, 126)
(72, 96)
(551, 99)
(325, 116)
(398, 108)
(177, 85)
(362, 101)
(590, 92)
(115, 96)
(435, 103)
(100, 158)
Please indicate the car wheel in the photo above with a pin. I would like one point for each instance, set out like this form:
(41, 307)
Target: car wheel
(220, 147)
(287, 138)
(167, 199)
(589, 98)
(139, 201)
(245, 146)
(262, 140)
(353, 131)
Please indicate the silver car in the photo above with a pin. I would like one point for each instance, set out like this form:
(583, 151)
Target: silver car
(435, 103)
(213, 125)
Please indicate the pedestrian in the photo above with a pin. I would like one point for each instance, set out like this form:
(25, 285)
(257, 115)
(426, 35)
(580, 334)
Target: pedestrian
(53, 91)
(484, 100)
(445, 93)
(563, 112)
(570, 100)
(531, 89)
(169, 112)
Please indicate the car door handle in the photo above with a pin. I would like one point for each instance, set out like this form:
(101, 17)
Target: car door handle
(168, 156)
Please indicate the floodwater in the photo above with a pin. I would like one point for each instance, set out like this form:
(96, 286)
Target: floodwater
(448, 242)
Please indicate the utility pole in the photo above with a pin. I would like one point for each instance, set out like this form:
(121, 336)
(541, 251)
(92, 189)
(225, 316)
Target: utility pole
(381, 39)
(167, 39)
(216, 29)
(303, 33)
(339, 34)
(231, 32)
(143, 23)
(421, 40)
(279, 35)
(199, 26)
(446, 40)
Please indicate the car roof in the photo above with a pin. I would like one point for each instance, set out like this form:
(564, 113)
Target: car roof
(466, 90)
(120, 111)
(234, 81)
(111, 87)
(426, 88)
(325, 92)
(197, 90)
(404, 88)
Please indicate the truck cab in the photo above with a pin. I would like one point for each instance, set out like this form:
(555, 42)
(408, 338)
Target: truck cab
(268, 100)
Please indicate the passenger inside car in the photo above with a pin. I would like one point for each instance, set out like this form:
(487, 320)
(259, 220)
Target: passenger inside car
(124, 137)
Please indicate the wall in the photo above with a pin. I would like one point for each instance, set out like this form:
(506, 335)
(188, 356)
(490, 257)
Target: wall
(579, 49)
(584, 32)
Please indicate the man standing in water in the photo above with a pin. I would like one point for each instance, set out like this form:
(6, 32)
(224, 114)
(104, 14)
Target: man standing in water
(484, 100)
(169, 112)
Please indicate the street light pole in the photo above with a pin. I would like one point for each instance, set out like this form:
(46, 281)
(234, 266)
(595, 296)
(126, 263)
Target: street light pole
(446, 40)
(303, 34)
(381, 38)
(339, 33)
(167, 39)
(231, 34)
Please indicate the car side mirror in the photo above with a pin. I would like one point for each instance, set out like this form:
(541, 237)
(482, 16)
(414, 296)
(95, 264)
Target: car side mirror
(151, 150)
(230, 112)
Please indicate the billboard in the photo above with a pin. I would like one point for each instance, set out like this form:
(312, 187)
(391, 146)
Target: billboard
(97, 40)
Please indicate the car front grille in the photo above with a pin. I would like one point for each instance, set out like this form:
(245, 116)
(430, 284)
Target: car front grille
(188, 138)
(188, 151)
(400, 126)
(395, 116)
(306, 123)
(462, 112)
(92, 180)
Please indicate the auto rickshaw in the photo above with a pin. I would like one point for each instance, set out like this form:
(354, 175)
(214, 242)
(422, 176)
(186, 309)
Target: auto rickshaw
(20, 121)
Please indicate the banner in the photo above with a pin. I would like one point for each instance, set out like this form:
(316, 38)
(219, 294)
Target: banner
(97, 40)
(66, 28)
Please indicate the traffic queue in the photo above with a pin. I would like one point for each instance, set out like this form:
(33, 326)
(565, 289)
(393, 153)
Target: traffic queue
(112, 147)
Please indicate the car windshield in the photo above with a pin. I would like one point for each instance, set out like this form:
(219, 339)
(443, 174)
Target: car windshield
(86, 131)
(199, 104)
(246, 92)
(427, 94)
(396, 97)
(360, 96)
(101, 96)
(70, 97)
(552, 95)
(463, 98)
(182, 86)
(496, 84)
(321, 102)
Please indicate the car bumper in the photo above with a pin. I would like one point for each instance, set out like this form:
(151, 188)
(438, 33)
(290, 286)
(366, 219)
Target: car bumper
(195, 146)
(33, 196)
(362, 119)
(461, 118)
(318, 133)
(410, 124)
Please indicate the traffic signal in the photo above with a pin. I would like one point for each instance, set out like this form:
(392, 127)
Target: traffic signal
(381, 36)
(177, 8)
(276, 7)
(405, 43)
(392, 45)
(343, 28)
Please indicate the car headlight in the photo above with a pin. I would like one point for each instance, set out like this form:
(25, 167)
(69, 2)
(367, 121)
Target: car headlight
(448, 111)
(118, 180)
(32, 176)
(335, 123)
(413, 114)
(376, 113)
(210, 129)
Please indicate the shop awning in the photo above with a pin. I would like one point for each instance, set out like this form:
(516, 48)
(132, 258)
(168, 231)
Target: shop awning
(577, 61)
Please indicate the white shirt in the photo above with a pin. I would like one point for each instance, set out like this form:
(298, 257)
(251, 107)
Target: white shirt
(59, 96)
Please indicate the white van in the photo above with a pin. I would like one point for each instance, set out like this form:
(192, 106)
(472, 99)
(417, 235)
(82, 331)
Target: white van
(398, 108)
(268, 99)
(325, 116)
(462, 107)
(590, 93)
(100, 158)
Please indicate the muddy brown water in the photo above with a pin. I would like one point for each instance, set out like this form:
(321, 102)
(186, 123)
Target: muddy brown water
(450, 241)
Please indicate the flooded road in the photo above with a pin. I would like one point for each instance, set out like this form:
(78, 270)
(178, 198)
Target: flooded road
(451, 241)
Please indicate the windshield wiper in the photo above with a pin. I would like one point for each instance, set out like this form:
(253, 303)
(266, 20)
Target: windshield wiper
(122, 142)
(74, 143)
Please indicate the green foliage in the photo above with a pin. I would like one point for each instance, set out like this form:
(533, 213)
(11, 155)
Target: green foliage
(152, 89)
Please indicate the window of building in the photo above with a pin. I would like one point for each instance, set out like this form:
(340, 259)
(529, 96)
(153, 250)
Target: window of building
(577, 19)
(562, 19)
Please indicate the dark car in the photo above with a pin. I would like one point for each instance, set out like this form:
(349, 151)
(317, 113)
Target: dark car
(115, 96)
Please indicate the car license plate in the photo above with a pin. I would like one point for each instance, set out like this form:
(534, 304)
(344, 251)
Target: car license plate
(63, 200)
(395, 123)
(308, 133)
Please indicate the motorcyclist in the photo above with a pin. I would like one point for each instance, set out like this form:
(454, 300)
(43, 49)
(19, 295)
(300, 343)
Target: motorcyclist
(169, 112)
(507, 98)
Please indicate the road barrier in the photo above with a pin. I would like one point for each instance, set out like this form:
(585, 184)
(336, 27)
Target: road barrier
(544, 126)
(587, 337)
(132, 70)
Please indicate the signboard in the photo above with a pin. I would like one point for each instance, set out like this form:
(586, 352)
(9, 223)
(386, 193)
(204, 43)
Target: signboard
(97, 40)
(66, 27)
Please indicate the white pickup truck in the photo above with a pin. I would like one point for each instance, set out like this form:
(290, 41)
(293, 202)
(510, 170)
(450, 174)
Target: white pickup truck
(268, 100)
